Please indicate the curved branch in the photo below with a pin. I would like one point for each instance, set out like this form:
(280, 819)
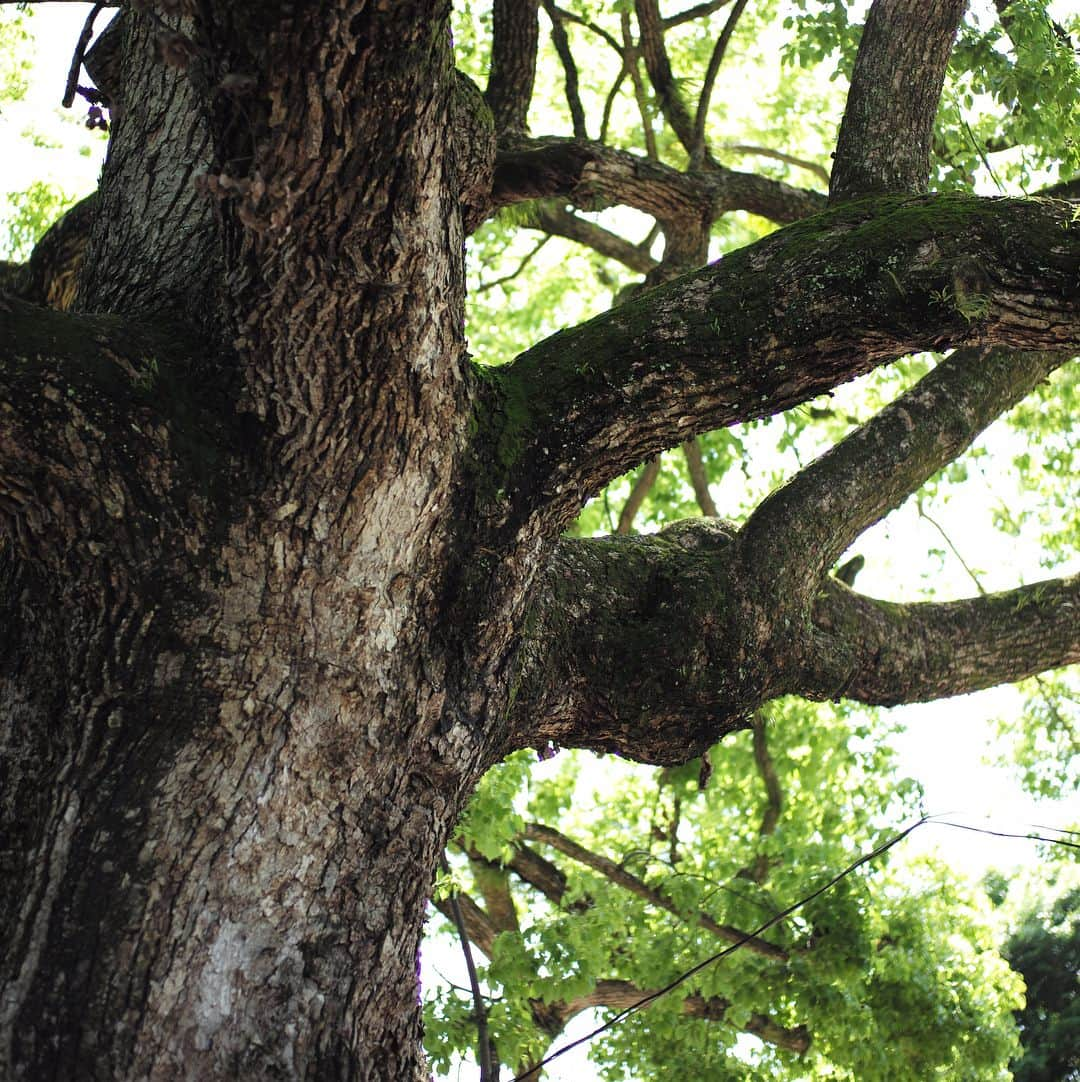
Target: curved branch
(549, 836)
(805, 526)
(889, 653)
(884, 140)
(771, 325)
(561, 223)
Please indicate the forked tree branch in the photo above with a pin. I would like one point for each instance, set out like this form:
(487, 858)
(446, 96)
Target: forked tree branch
(884, 141)
(655, 647)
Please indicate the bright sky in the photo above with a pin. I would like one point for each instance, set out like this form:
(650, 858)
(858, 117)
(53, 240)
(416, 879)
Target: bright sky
(945, 744)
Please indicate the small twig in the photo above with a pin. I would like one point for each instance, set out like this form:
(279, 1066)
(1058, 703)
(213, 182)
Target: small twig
(639, 91)
(521, 266)
(698, 151)
(778, 155)
(609, 103)
(955, 551)
(80, 53)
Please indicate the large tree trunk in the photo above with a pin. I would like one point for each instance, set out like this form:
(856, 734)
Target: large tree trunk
(270, 539)
(232, 671)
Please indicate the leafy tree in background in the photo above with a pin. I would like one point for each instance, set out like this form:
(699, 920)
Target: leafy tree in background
(1044, 947)
(287, 570)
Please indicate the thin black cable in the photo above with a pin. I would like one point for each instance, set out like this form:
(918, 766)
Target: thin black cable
(1008, 834)
(782, 915)
(484, 1047)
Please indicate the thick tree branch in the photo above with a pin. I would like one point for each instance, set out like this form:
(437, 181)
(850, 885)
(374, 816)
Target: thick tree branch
(816, 516)
(593, 176)
(893, 653)
(50, 275)
(515, 37)
(860, 285)
(537, 832)
(884, 141)
(619, 995)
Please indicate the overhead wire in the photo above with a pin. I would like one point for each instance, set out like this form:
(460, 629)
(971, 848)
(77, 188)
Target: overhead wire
(866, 858)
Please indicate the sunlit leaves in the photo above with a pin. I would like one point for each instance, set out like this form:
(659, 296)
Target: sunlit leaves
(865, 957)
(29, 213)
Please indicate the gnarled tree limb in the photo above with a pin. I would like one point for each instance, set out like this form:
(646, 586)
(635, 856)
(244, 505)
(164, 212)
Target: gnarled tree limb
(861, 285)
(655, 647)
(903, 653)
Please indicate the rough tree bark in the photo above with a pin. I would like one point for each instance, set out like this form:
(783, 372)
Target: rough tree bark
(281, 572)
